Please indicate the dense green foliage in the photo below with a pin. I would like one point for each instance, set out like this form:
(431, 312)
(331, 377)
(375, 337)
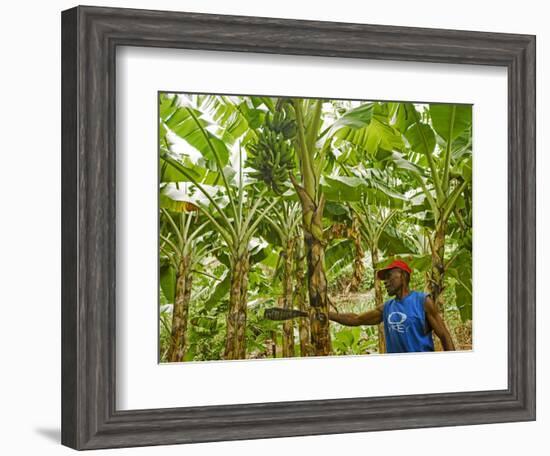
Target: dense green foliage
(396, 177)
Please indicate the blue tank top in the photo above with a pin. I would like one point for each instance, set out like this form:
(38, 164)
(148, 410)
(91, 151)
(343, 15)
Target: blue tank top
(405, 325)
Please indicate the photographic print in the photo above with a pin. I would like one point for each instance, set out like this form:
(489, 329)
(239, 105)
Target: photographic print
(297, 227)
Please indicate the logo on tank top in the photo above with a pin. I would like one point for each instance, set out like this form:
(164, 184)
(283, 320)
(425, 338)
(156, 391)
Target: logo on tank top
(396, 321)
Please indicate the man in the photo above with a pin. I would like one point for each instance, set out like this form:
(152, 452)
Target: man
(409, 318)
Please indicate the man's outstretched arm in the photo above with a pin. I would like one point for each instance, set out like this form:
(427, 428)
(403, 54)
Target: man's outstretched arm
(437, 324)
(371, 317)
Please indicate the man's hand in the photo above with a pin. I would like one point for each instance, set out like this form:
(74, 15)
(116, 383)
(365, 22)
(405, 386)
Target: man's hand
(437, 324)
(371, 317)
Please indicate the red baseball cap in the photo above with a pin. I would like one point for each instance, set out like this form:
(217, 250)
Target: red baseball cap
(399, 264)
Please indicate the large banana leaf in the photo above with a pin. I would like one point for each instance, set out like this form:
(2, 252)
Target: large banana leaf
(421, 138)
(168, 173)
(166, 202)
(464, 168)
(190, 125)
(450, 120)
(401, 162)
(394, 243)
(198, 173)
(405, 116)
(338, 255)
(180, 194)
(354, 189)
(461, 270)
(356, 118)
(225, 112)
(336, 211)
(269, 103)
(221, 290)
(367, 127)
(372, 138)
(168, 282)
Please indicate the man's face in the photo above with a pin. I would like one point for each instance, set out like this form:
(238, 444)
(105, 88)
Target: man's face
(393, 281)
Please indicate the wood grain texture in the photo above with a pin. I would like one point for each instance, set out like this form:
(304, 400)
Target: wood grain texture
(90, 36)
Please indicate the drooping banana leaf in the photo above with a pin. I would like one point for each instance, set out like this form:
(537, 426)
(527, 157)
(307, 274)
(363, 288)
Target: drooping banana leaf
(190, 125)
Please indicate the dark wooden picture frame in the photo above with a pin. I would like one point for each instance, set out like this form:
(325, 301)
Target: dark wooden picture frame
(90, 36)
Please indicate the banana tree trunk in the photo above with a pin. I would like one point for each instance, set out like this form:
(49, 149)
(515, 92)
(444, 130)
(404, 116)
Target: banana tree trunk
(235, 343)
(288, 325)
(437, 278)
(358, 266)
(318, 296)
(312, 214)
(300, 297)
(379, 300)
(184, 279)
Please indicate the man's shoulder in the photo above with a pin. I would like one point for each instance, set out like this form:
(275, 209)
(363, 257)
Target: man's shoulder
(382, 306)
(426, 295)
(422, 297)
(421, 294)
(428, 302)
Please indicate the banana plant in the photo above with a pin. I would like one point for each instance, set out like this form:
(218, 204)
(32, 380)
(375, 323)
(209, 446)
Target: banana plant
(373, 221)
(285, 221)
(273, 158)
(371, 210)
(433, 147)
(442, 136)
(234, 209)
(180, 245)
(313, 144)
(311, 158)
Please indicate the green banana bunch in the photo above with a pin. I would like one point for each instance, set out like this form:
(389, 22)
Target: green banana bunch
(278, 124)
(272, 155)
